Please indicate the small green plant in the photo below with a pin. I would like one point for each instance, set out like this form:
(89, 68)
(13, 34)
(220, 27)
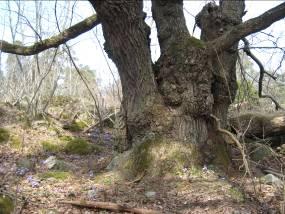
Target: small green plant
(4, 135)
(65, 116)
(59, 175)
(65, 138)
(80, 146)
(15, 142)
(236, 194)
(50, 147)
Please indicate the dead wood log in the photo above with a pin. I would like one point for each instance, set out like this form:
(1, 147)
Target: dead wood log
(255, 125)
(110, 207)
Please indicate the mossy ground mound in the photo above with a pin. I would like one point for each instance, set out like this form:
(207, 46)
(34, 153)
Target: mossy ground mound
(81, 147)
(59, 175)
(75, 126)
(49, 146)
(71, 145)
(156, 157)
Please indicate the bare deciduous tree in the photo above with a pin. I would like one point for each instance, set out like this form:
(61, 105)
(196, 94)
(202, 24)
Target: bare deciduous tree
(192, 81)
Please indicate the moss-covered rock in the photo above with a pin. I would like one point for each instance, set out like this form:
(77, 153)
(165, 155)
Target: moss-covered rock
(6, 204)
(61, 165)
(26, 163)
(260, 151)
(4, 135)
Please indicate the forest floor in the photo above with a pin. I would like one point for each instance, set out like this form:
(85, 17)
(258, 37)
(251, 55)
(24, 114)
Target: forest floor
(38, 189)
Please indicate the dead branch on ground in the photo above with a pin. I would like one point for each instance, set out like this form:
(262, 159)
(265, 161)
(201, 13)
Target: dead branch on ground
(110, 207)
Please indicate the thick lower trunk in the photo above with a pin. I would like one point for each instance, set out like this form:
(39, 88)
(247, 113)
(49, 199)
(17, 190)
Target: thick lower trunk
(173, 99)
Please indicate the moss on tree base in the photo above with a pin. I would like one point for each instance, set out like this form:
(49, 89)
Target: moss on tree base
(156, 156)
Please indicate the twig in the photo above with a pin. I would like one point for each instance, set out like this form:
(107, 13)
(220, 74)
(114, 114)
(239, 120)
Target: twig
(110, 206)
(137, 179)
(233, 139)
(87, 86)
(108, 117)
(261, 75)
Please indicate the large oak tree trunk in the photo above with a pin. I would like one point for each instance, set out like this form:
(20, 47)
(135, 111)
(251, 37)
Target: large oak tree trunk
(174, 97)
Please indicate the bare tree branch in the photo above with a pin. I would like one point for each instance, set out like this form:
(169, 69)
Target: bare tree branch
(251, 26)
(87, 86)
(261, 74)
(52, 42)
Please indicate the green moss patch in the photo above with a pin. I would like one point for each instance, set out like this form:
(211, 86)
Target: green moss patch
(187, 43)
(6, 204)
(59, 175)
(4, 135)
(65, 138)
(192, 41)
(81, 147)
(71, 145)
(75, 126)
(51, 147)
(157, 157)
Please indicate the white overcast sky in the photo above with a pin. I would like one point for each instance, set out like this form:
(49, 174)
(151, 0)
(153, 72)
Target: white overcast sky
(88, 51)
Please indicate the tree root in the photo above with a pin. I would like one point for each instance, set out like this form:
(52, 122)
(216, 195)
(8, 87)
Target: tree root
(110, 206)
(137, 179)
(231, 139)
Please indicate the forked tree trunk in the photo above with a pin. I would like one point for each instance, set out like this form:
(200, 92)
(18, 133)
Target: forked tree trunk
(174, 97)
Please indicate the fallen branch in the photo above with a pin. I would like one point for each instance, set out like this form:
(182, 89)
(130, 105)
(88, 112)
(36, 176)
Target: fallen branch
(263, 126)
(110, 207)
